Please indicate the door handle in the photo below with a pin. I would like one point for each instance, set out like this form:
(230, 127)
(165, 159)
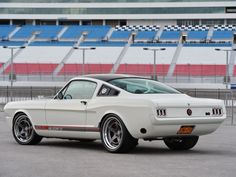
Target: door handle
(84, 102)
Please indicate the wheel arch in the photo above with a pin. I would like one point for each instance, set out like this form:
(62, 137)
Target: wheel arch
(108, 113)
(20, 112)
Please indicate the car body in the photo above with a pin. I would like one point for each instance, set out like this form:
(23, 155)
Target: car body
(119, 109)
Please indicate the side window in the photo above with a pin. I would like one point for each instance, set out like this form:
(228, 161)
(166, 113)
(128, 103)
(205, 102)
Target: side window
(107, 91)
(79, 90)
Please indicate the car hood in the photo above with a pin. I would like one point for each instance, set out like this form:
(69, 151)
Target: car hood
(29, 104)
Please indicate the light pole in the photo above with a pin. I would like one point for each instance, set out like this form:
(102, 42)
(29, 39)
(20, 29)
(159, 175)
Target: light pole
(227, 64)
(154, 63)
(83, 50)
(12, 67)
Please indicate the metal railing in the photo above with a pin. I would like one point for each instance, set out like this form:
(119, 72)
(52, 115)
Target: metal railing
(229, 97)
(163, 78)
(32, 93)
(26, 93)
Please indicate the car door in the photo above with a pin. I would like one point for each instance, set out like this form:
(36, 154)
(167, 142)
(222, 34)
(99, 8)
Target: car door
(66, 114)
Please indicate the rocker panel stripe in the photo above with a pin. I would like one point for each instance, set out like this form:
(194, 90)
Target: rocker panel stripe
(67, 128)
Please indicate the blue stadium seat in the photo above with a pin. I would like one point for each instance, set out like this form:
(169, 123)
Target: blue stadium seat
(49, 43)
(45, 31)
(5, 30)
(94, 32)
(104, 44)
(227, 44)
(120, 35)
(146, 35)
(144, 44)
(98, 32)
(220, 35)
(170, 35)
(12, 43)
(86, 43)
(197, 35)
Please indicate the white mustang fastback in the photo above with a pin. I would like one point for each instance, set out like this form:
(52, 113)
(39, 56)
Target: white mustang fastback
(119, 110)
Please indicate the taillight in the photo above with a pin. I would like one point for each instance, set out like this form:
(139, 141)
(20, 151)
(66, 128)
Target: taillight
(217, 111)
(161, 112)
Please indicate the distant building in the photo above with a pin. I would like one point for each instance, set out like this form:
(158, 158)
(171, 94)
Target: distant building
(118, 12)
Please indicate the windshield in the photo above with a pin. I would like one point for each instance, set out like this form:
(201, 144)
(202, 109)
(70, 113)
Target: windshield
(142, 86)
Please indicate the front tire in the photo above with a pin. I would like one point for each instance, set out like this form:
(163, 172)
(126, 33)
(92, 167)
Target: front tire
(23, 131)
(115, 136)
(181, 143)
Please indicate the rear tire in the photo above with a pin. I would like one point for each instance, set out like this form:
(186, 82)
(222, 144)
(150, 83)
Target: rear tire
(115, 136)
(24, 132)
(181, 143)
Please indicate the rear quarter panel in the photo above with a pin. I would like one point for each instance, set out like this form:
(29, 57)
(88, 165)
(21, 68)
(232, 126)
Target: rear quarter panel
(135, 113)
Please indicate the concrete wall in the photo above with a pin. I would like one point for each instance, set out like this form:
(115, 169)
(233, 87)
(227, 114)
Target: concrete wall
(108, 55)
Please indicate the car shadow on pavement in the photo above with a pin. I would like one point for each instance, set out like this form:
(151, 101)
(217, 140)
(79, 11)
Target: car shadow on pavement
(96, 145)
(195, 151)
(139, 150)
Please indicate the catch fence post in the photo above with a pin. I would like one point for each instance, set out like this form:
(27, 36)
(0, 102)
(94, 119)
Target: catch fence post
(232, 108)
(31, 93)
(7, 94)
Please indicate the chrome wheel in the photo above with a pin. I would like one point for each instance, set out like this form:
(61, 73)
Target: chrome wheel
(112, 133)
(23, 130)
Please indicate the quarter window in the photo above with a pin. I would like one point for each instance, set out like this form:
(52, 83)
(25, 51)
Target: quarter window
(79, 90)
(107, 91)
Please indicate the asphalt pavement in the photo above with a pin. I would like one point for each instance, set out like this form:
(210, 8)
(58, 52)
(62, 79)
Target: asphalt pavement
(213, 156)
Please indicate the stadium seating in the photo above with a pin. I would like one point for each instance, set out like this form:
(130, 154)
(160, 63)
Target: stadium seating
(194, 33)
(45, 32)
(93, 32)
(5, 31)
(11, 43)
(170, 36)
(223, 44)
(120, 35)
(51, 43)
(142, 44)
(222, 35)
(32, 68)
(48, 34)
(196, 37)
(145, 35)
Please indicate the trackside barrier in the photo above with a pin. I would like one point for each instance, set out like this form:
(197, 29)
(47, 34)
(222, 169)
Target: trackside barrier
(33, 93)
(229, 97)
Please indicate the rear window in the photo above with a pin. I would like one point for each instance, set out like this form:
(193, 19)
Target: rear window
(143, 86)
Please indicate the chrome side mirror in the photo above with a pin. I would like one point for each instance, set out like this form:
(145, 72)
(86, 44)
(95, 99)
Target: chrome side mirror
(60, 96)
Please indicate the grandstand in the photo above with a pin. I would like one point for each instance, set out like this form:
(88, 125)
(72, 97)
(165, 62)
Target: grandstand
(190, 36)
(39, 58)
